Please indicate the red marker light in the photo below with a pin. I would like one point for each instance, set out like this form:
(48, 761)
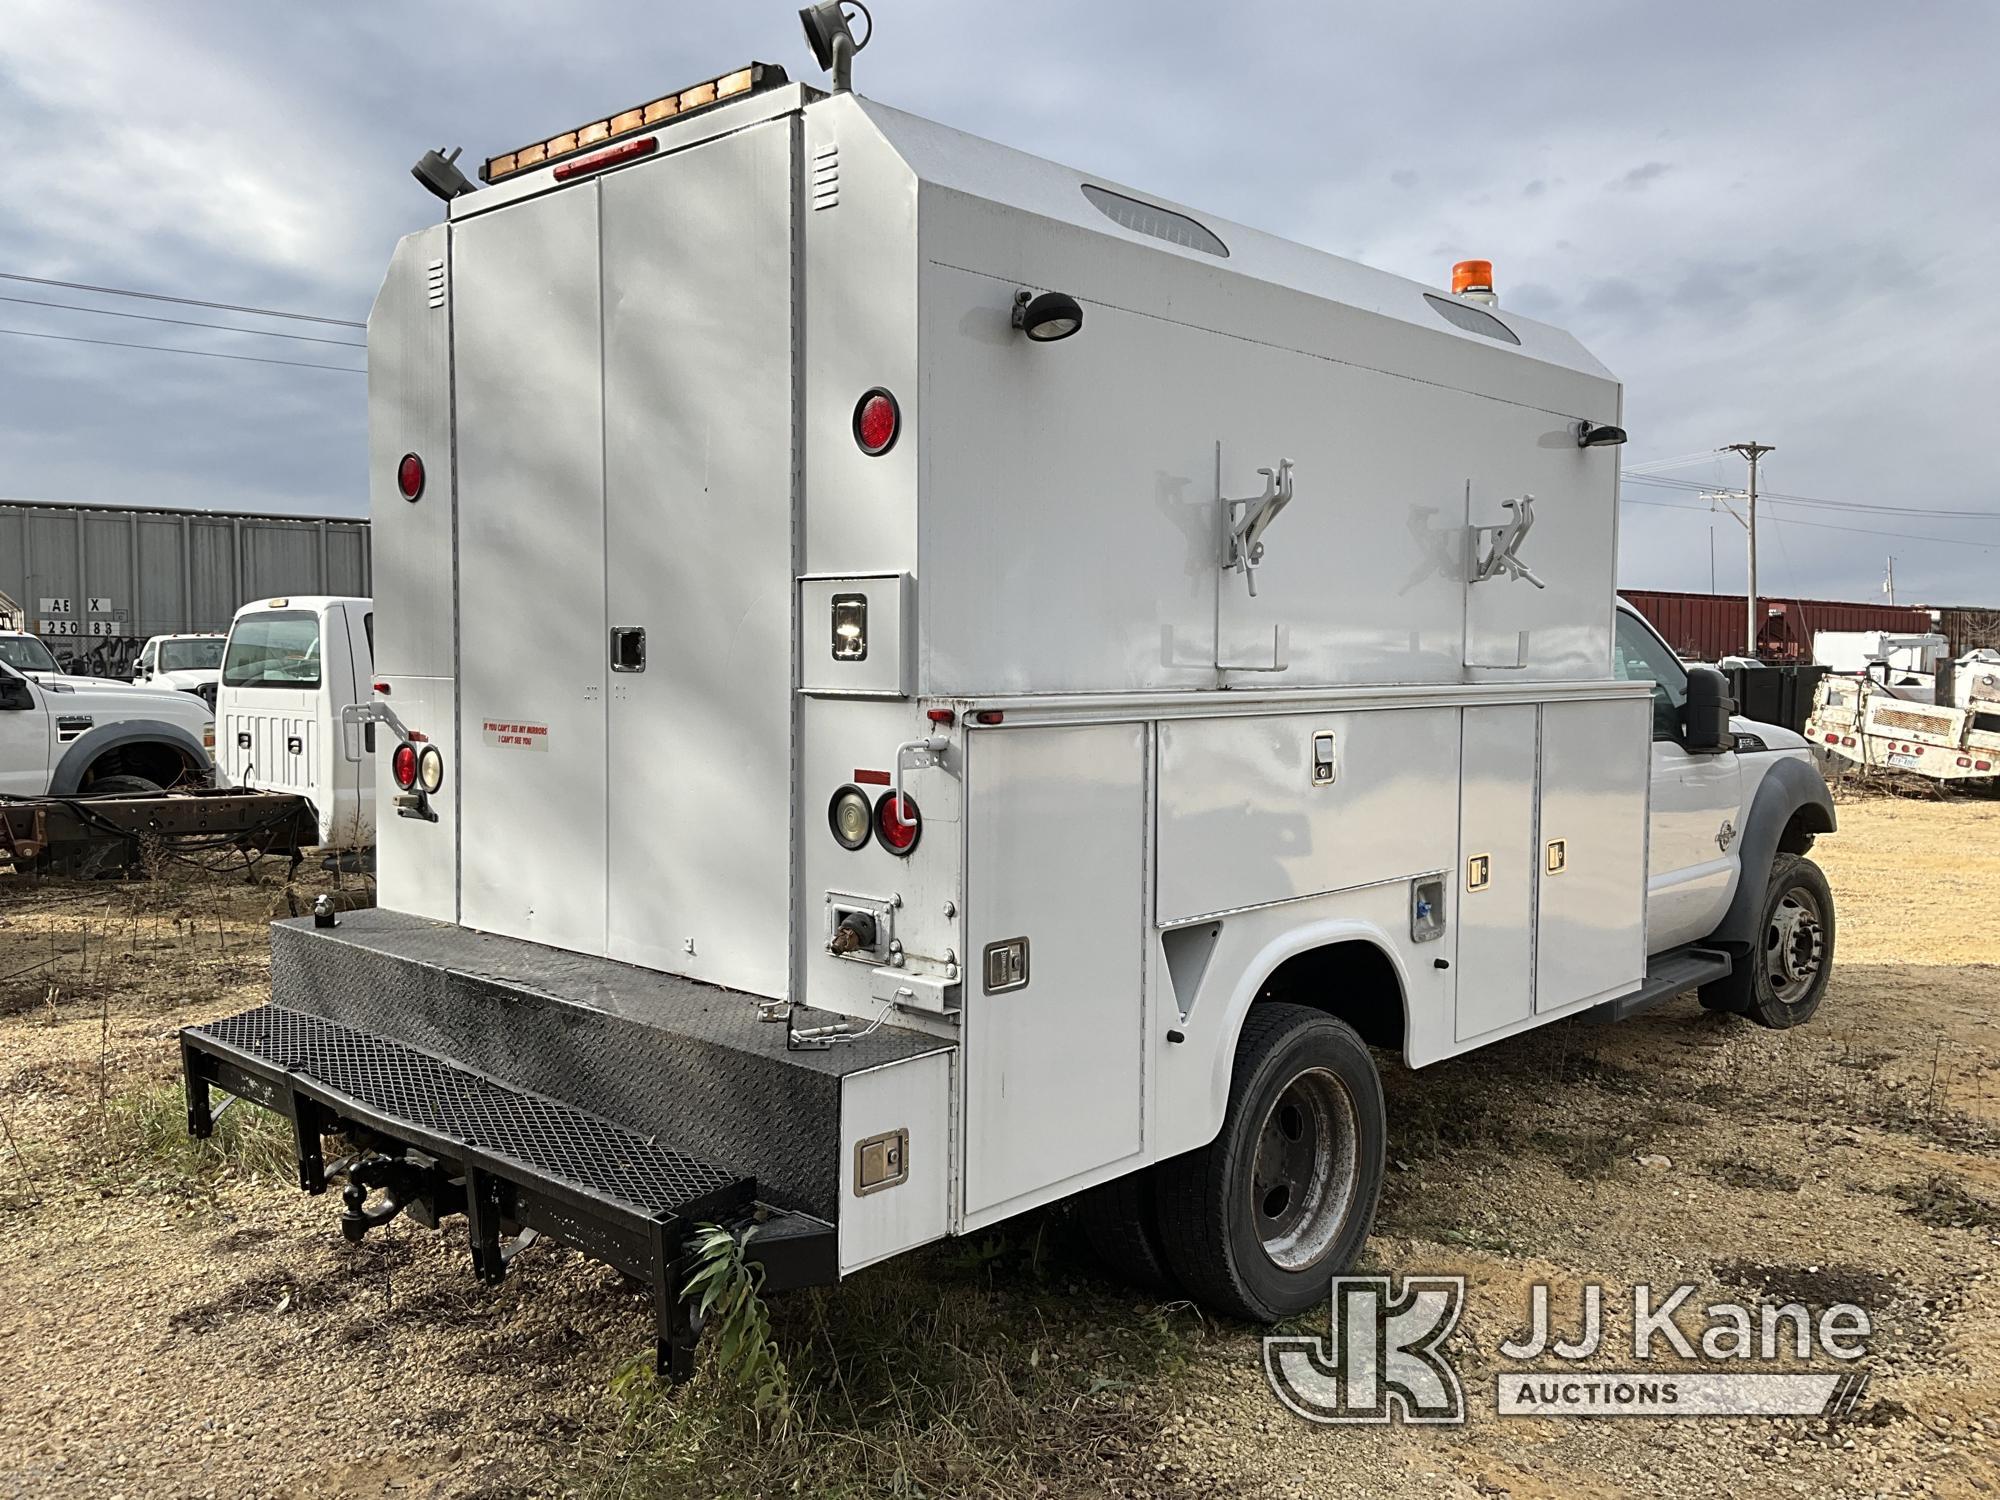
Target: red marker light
(989, 716)
(410, 476)
(631, 150)
(899, 828)
(403, 765)
(876, 422)
(942, 716)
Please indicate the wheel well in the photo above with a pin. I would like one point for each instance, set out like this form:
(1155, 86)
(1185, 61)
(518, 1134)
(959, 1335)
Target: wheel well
(1353, 981)
(1808, 819)
(158, 762)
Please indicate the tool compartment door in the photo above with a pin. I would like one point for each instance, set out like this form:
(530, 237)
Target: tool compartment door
(1495, 883)
(698, 410)
(532, 655)
(1056, 856)
(1590, 926)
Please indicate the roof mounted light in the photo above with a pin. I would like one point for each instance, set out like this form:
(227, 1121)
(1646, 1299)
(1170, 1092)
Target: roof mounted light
(744, 81)
(1473, 280)
(438, 171)
(832, 42)
(1046, 319)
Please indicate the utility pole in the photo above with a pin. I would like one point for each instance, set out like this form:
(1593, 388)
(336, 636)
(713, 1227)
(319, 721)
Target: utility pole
(1889, 581)
(1753, 452)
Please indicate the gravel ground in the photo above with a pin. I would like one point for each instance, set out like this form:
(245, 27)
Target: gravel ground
(176, 1330)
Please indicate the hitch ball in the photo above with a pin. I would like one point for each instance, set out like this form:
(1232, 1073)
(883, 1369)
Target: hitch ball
(856, 931)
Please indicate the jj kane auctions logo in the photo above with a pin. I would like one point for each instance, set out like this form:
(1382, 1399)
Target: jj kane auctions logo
(1384, 1358)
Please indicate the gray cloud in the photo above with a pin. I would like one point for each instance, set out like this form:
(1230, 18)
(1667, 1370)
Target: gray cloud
(1637, 179)
(1804, 271)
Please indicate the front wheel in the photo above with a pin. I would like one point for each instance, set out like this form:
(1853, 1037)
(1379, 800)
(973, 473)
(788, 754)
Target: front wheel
(1256, 1222)
(1781, 982)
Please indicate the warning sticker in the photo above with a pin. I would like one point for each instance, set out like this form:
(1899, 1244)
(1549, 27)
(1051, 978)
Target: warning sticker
(515, 736)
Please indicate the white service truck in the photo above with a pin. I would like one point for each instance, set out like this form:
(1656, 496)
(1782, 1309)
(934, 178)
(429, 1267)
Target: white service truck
(64, 736)
(292, 668)
(185, 663)
(1032, 690)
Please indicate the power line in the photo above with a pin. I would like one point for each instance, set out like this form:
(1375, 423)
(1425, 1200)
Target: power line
(107, 312)
(119, 291)
(1815, 502)
(1909, 536)
(253, 359)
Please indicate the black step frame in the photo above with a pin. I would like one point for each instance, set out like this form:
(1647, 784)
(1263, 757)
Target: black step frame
(649, 1244)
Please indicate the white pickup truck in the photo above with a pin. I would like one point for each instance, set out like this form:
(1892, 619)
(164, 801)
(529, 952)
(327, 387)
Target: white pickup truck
(65, 735)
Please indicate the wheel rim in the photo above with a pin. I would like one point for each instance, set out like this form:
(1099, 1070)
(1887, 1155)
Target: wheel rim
(1303, 1180)
(1795, 945)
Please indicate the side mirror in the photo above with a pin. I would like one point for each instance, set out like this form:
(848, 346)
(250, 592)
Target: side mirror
(14, 693)
(1705, 716)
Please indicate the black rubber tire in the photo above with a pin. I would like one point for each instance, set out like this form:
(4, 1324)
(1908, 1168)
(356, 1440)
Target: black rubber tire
(1120, 1221)
(1748, 991)
(1205, 1197)
(123, 786)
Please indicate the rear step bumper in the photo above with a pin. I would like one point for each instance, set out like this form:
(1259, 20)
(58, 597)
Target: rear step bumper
(441, 1139)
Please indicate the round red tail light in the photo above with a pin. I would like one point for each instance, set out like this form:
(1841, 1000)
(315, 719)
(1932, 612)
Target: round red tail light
(898, 828)
(877, 419)
(410, 476)
(403, 765)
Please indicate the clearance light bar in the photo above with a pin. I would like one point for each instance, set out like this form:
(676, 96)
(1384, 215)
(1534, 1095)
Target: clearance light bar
(744, 81)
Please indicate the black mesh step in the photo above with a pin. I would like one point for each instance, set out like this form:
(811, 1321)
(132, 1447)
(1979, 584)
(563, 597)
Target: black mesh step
(400, 1085)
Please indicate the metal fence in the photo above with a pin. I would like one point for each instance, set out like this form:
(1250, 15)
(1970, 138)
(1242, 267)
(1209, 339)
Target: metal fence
(95, 581)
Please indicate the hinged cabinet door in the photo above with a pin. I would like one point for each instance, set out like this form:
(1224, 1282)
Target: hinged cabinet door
(1054, 1021)
(531, 569)
(698, 407)
(1591, 861)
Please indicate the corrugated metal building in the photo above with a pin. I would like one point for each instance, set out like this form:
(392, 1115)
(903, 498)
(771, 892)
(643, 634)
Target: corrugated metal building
(95, 581)
(1707, 627)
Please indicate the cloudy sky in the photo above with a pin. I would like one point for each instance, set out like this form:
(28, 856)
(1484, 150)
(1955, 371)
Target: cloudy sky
(1774, 221)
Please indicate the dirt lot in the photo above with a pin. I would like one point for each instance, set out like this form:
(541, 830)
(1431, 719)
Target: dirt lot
(182, 1322)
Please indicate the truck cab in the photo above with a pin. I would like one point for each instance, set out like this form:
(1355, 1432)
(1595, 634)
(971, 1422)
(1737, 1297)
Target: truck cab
(184, 663)
(67, 736)
(289, 668)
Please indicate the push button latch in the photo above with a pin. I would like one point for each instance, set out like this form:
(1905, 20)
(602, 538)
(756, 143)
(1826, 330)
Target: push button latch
(1323, 758)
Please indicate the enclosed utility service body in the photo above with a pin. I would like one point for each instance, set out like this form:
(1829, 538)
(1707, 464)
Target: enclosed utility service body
(932, 734)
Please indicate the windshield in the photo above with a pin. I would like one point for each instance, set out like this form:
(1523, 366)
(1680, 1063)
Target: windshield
(280, 649)
(27, 654)
(191, 656)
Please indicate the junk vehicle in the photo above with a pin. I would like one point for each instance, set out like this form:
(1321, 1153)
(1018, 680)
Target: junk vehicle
(291, 670)
(186, 663)
(1028, 684)
(1890, 706)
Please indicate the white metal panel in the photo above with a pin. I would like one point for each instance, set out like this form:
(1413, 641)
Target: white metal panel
(1072, 526)
(1493, 887)
(852, 741)
(416, 865)
(1590, 934)
(912, 1095)
(1056, 851)
(409, 411)
(885, 671)
(860, 333)
(1242, 824)
(698, 552)
(531, 558)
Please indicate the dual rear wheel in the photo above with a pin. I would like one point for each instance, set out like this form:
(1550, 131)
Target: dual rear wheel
(1257, 1222)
